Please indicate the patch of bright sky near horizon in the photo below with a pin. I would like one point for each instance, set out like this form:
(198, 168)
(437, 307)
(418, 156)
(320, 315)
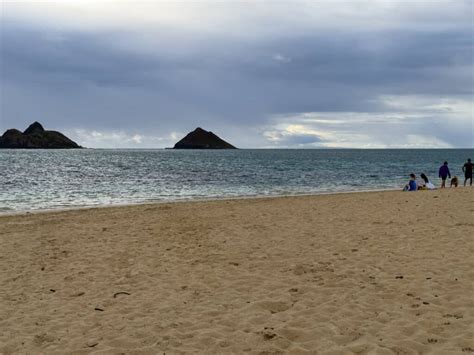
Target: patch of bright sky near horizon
(304, 74)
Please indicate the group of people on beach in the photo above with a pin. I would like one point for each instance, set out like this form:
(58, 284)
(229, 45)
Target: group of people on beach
(444, 174)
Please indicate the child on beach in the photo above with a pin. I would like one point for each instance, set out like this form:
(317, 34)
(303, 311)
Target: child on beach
(444, 173)
(425, 184)
(411, 186)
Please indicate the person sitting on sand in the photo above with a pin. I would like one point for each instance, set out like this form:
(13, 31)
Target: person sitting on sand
(425, 184)
(411, 186)
(467, 169)
(454, 182)
(444, 173)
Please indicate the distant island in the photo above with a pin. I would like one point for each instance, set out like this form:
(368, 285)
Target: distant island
(35, 137)
(202, 139)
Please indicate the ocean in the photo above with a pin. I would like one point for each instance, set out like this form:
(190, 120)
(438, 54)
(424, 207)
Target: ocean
(52, 179)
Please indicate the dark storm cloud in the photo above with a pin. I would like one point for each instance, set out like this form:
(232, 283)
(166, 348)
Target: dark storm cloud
(111, 79)
(89, 70)
(69, 58)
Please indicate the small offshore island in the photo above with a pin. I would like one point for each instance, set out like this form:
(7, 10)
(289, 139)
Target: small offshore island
(36, 137)
(202, 139)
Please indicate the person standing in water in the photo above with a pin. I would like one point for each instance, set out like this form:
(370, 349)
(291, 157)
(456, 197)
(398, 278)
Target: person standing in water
(467, 169)
(444, 173)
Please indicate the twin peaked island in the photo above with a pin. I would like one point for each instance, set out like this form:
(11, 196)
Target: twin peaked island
(36, 137)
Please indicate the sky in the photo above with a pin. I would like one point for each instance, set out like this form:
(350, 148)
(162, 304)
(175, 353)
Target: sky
(260, 74)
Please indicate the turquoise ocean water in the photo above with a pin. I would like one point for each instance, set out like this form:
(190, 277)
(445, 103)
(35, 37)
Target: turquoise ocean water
(49, 179)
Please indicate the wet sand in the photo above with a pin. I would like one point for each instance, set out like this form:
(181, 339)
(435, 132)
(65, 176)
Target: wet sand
(375, 272)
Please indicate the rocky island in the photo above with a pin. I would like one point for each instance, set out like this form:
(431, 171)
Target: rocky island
(202, 139)
(35, 137)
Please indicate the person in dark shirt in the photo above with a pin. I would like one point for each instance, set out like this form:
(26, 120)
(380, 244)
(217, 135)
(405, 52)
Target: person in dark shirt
(444, 174)
(467, 169)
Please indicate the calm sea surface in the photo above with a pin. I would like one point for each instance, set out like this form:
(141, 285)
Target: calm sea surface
(46, 179)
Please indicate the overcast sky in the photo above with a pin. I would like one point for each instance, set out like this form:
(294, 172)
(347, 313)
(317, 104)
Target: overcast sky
(363, 74)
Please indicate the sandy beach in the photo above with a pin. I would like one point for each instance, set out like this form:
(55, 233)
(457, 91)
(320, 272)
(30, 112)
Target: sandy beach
(375, 272)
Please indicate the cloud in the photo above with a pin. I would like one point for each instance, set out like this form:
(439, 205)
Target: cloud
(120, 139)
(407, 122)
(249, 20)
(147, 69)
(281, 58)
(288, 138)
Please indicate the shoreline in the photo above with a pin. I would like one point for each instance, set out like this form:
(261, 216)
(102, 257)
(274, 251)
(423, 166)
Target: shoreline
(189, 200)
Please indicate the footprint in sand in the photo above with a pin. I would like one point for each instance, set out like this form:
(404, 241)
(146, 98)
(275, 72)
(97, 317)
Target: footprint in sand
(274, 306)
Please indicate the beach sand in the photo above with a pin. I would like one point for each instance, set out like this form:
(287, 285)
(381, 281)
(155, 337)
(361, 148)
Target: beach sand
(375, 272)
